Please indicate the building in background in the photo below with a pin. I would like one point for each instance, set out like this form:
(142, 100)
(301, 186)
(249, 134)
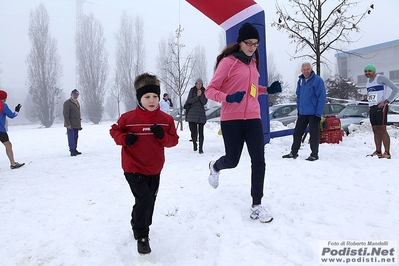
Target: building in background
(385, 57)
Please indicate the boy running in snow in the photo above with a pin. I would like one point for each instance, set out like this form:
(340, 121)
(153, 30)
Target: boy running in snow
(143, 134)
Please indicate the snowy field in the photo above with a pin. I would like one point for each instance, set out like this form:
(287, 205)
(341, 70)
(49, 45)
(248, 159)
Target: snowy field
(63, 210)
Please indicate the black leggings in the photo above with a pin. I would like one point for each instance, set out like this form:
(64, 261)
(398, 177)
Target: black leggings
(197, 129)
(235, 133)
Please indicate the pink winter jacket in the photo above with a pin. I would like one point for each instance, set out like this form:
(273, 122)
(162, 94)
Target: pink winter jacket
(231, 76)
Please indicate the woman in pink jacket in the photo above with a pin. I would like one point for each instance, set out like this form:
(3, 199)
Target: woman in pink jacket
(235, 85)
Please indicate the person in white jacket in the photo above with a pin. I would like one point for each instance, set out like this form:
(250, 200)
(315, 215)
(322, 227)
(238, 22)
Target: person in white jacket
(165, 103)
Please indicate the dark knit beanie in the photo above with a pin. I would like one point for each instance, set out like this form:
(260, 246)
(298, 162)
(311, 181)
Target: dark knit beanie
(146, 89)
(247, 31)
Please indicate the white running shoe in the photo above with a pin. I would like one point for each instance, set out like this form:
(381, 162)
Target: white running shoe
(260, 212)
(213, 176)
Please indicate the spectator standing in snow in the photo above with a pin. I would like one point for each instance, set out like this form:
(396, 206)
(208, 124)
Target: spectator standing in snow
(4, 113)
(143, 134)
(235, 85)
(166, 103)
(310, 101)
(378, 102)
(72, 121)
(196, 116)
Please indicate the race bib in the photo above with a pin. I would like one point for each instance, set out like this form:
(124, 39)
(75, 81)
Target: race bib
(253, 90)
(372, 96)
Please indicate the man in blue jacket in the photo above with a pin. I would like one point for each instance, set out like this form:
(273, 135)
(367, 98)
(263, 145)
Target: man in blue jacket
(310, 99)
(6, 112)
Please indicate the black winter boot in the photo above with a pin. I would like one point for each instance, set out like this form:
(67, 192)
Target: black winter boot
(143, 246)
(73, 152)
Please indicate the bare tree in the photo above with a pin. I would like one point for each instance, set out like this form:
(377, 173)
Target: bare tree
(200, 67)
(313, 25)
(29, 106)
(130, 57)
(116, 93)
(44, 68)
(92, 67)
(111, 107)
(175, 69)
(274, 75)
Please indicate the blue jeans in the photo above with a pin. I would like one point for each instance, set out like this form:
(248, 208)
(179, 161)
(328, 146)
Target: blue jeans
(73, 135)
(235, 133)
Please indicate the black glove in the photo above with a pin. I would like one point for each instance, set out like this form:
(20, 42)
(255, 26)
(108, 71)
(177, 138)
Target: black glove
(130, 139)
(275, 87)
(17, 108)
(236, 97)
(158, 131)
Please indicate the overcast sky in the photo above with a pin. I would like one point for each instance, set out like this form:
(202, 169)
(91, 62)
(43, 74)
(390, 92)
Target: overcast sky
(161, 18)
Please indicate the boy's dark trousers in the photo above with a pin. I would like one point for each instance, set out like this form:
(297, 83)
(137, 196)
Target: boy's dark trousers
(144, 189)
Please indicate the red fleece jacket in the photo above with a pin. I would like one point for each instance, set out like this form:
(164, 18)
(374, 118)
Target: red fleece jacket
(146, 156)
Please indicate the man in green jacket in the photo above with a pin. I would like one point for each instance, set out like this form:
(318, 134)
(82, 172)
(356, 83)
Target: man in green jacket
(72, 121)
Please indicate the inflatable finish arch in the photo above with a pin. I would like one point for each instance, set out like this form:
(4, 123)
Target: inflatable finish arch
(230, 15)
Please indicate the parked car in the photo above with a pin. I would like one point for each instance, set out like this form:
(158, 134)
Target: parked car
(281, 110)
(329, 109)
(353, 114)
(213, 114)
(393, 113)
(175, 113)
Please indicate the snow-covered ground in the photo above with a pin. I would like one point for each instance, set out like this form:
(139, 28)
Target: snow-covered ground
(63, 210)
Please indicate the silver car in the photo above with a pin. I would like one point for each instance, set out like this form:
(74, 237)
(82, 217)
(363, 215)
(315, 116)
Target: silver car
(353, 114)
(329, 109)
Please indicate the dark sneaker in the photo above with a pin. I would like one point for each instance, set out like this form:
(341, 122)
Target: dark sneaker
(17, 165)
(143, 246)
(312, 158)
(290, 156)
(78, 152)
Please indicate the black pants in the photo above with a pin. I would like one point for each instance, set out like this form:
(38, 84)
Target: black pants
(235, 133)
(144, 189)
(314, 129)
(197, 129)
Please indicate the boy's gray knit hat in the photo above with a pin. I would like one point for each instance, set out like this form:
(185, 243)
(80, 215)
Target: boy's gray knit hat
(199, 80)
